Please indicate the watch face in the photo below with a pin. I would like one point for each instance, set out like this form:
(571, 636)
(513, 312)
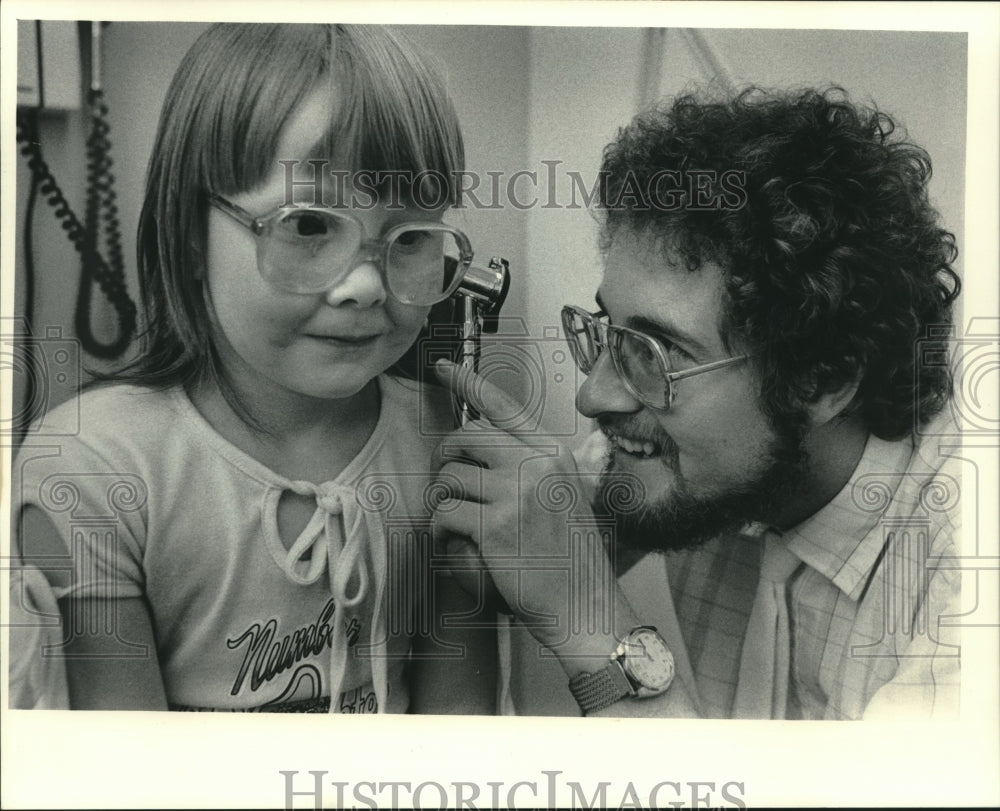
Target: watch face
(649, 661)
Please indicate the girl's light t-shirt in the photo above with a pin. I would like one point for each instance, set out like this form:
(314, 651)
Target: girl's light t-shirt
(152, 502)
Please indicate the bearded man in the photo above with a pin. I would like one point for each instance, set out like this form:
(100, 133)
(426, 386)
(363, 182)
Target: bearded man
(764, 364)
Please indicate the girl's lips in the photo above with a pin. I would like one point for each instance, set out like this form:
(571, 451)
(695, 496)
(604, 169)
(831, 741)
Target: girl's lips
(346, 343)
(347, 339)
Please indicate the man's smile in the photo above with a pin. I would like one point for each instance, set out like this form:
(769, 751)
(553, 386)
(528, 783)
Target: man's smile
(633, 447)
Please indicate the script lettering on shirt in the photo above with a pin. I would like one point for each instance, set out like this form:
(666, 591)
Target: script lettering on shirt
(265, 658)
(353, 631)
(360, 701)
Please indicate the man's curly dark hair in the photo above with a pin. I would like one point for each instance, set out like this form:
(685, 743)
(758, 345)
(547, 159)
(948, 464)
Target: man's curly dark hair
(835, 263)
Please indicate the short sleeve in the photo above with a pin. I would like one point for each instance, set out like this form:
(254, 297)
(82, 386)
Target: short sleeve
(97, 508)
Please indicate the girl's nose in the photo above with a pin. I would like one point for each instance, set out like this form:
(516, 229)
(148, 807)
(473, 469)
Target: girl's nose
(362, 287)
(603, 391)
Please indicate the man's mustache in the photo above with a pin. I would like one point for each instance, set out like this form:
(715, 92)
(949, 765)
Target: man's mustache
(633, 428)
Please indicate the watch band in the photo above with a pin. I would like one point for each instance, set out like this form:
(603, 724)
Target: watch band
(617, 679)
(602, 688)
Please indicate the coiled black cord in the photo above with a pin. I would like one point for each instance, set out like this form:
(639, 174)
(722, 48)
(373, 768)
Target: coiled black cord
(109, 276)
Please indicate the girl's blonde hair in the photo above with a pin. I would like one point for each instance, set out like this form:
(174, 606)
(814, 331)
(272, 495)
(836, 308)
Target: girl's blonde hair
(219, 132)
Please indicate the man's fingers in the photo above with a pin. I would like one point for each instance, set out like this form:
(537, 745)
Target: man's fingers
(461, 481)
(478, 444)
(491, 402)
(456, 517)
(453, 449)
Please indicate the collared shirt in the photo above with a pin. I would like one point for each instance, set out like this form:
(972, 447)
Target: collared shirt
(873, 609)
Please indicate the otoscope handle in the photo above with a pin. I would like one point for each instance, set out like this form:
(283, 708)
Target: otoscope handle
(472, 330)
(483, 292)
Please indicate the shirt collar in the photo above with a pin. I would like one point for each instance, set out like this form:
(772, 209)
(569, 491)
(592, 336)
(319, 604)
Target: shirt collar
(839, 540)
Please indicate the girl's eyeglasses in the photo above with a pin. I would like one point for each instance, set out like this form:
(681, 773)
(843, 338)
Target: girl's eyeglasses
(310, 250)
(640, 360)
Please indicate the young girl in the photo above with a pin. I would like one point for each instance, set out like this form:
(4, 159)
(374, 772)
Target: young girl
(242, 521)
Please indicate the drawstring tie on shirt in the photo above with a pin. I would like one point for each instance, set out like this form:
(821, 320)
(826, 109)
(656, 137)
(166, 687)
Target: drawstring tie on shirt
(334, 540)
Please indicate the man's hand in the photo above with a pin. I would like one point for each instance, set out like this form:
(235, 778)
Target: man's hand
(509, 502)
(508, 516)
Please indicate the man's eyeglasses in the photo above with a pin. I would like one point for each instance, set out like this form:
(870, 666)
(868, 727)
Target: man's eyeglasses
(641, 361)
(310, 250)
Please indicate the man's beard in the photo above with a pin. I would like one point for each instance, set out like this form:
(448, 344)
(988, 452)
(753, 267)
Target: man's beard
(683, 520)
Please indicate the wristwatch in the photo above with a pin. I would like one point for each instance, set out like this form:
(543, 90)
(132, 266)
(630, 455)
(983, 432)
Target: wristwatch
(641, 666)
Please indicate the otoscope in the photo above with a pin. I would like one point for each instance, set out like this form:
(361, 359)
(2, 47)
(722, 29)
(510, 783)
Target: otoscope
(483, 291)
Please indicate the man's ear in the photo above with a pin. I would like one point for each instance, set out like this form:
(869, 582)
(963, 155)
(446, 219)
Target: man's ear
(830, 405)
